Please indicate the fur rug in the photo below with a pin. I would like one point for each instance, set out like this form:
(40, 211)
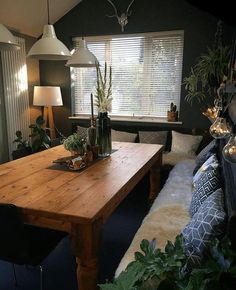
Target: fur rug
(163, 224)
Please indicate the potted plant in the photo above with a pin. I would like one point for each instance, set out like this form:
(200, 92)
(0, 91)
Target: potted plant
(172, 114)
(39, 138)
(75, 143)
(23, 146)
(103, 102)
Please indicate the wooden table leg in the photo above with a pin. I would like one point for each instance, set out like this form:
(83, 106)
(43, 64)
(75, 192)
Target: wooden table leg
(85, 243)
(155, 178)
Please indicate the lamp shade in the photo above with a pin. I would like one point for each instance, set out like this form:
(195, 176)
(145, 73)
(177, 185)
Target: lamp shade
(82, 57)
(47, 96)
(7, 40)
(49, 47)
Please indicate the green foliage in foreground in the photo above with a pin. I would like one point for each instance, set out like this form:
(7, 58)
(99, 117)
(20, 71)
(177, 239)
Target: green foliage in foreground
(153, 269)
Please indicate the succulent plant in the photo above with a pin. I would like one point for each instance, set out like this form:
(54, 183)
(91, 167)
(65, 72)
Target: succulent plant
(75, 143)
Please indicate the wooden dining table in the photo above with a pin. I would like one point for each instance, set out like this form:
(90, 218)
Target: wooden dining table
(78, 202)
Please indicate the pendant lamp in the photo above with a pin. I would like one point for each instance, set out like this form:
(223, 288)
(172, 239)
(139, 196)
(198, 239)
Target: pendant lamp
(7, 40)
(82, 57)
(49, 47)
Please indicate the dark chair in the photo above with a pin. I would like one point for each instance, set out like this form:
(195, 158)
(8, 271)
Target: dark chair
(24, 244)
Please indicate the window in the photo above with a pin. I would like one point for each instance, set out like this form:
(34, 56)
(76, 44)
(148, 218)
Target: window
(146, 73)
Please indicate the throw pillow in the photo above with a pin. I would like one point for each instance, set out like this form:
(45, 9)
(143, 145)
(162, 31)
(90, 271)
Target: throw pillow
(205, 186)
(207, 223)
(82, 131)
(183, 143)
(211, 163)
(205, 154)
(121, 136)
(153, 137)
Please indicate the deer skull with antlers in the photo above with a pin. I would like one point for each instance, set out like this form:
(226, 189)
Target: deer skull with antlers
(123, 18)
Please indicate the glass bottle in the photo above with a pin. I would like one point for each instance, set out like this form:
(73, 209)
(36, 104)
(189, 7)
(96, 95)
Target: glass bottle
(103, 128)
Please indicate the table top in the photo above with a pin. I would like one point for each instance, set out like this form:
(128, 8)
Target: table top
(40, 188)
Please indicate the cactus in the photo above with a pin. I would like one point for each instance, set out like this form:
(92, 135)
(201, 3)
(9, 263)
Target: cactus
(173, 107)
(172, 115)
(91, 132)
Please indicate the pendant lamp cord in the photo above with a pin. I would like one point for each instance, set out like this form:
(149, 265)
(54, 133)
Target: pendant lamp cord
(48, 11)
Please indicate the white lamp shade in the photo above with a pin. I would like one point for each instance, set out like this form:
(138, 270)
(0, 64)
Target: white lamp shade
(49, 47)
(82, 57)
(7, 40)
(47, 96)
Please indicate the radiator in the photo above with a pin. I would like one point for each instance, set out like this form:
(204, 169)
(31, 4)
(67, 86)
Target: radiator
(15, 87)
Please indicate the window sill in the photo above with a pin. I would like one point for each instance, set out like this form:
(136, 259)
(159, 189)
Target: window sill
(131, 119)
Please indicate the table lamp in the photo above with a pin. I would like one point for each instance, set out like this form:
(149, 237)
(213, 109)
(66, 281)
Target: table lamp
(47, 97)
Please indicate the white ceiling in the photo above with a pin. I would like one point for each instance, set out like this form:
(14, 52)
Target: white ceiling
(29, 16)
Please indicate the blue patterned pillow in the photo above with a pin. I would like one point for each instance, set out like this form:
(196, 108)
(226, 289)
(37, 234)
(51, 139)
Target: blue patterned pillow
(204, 155)
(204, 186)
(207, 223)
(211, 163)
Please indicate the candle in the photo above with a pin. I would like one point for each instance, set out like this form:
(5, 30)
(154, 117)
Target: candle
(92, 106)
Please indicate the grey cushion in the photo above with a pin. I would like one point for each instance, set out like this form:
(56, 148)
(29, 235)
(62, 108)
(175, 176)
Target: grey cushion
(205, 186)
(115, 135)
(153, 137)
(123, 136)
(82, 131)
(204, 155)
(207, 223)
(184, 143)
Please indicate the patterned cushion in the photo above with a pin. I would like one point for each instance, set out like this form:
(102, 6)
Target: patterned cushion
(205, 186)
(153, 137)
(183, 143)
(207, 223)
(82, 131)
(205, 154)
(122, 136)
(211, 163)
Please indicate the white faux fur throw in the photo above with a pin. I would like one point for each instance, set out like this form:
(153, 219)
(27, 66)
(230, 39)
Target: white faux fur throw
(163, 224)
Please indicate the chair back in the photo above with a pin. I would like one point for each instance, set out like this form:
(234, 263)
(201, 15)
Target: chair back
(13, 240)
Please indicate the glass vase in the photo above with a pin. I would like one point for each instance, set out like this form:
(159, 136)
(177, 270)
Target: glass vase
(103, 128)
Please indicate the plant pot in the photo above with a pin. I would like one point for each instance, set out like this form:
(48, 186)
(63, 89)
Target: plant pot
(172, 116)
(16, 154)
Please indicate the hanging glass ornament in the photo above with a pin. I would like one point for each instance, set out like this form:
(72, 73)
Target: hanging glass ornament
(220, 129)
(229, 151)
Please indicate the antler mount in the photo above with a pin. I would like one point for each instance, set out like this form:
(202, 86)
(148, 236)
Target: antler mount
(123, 18)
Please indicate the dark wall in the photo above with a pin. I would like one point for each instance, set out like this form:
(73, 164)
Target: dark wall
(89, 18)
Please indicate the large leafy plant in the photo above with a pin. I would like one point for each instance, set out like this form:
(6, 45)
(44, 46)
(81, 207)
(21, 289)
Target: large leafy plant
(209, 71)
(39, 137)
(153, 269)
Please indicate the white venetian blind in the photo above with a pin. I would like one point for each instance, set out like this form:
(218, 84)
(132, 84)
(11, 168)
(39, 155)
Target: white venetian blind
(146, 73)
